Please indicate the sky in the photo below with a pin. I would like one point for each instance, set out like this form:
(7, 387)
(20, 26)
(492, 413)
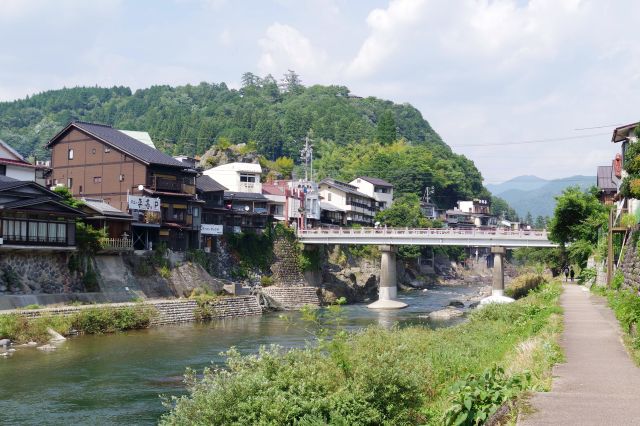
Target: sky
(520, 87)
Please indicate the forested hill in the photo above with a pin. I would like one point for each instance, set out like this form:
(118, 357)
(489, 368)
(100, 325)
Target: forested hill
(272, 116)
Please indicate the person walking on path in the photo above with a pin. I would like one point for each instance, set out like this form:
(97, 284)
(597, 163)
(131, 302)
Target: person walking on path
(566, 274)
(572, 273)
(598, 384)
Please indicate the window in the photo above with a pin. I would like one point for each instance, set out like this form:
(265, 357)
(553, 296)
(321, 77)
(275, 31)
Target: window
(121, 178)
(97, 179)
(196, 212)
(70, 154)
(247, 178)
(69, 183)
(107, 150)
(80, 190)
(93, 151)
(3, 170)
(329, 197)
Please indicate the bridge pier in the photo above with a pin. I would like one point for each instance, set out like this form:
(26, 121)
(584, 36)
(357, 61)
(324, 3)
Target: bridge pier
(388, 290)
(497, 293)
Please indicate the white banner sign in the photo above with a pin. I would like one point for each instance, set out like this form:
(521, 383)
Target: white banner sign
(210, 229)
(144, 203)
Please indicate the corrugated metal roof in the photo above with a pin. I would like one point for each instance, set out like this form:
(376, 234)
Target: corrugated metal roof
(104, 208)
(143, 137)
(606, 180)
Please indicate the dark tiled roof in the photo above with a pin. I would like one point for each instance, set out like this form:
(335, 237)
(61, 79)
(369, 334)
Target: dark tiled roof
(128, 145)
(606, 180)
(244, 196)
(205, 183)
(376, 181)
(7, 183)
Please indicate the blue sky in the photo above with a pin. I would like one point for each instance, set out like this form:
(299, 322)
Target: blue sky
(490, 73)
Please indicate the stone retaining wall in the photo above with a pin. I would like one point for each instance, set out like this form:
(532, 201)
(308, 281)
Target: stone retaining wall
(169, 311)
(26, 273)
(630, 265)
(290, 298)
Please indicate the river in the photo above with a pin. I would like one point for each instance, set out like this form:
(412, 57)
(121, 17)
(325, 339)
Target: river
(117, 378)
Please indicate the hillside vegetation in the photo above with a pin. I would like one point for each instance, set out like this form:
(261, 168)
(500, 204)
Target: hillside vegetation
(352, 135)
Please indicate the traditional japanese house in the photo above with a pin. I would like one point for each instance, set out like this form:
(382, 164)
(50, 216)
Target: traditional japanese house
(97, 161)
(33, 218)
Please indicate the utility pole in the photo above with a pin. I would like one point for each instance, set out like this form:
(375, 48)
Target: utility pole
(306, 155)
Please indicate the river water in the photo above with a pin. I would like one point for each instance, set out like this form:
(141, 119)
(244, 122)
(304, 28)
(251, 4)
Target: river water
(117, 378)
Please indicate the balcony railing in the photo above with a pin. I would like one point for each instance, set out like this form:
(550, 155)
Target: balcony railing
(116, 244)
(161, 184)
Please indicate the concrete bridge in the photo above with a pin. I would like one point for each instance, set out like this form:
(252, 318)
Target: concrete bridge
(389, 238)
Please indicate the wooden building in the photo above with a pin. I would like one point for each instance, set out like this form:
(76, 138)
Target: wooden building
(33, 218)
(99, 162)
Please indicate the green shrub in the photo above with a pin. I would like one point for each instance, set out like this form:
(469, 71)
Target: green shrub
(266, 281)
(476, 398)
(32, 306)
(587, 275)
(164, 272)
(108, 320)
(371, 377)
(11, 278)
(523, 284)
(618, 280)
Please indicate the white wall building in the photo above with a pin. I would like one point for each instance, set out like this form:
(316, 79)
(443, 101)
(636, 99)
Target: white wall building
(343, 198)
(13, 165)
(238, 177)
(378, 189)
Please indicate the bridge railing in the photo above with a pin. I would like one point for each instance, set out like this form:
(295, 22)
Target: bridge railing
(542, 234)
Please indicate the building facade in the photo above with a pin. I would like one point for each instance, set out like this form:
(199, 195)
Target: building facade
(13, 165)
(343, 204)
(378, 189)
(99, 162)
(33, 218)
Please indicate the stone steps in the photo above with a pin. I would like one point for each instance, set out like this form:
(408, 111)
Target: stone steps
(290, 298)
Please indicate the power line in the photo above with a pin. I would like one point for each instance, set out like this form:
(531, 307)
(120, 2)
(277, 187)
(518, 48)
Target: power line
(599, 127)
(532, 141)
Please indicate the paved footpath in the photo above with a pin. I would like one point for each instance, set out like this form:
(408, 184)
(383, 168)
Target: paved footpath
(599, 384)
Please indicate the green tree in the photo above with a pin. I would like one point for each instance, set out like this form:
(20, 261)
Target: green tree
(578, 216)
(404, 212)
(540, 223)
(67, 197)
(528, 219)
(386, 132)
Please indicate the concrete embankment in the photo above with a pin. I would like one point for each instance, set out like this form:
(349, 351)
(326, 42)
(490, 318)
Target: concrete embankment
(169, 311)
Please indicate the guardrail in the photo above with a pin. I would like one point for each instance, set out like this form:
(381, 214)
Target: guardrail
(426, 236)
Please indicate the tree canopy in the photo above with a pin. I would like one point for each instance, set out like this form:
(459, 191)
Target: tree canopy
(351, 135)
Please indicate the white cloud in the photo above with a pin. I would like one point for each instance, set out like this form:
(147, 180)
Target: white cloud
(387, 30)
(284, 47)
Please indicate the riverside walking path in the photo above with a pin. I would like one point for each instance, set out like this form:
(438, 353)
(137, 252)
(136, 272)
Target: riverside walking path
(598, 384)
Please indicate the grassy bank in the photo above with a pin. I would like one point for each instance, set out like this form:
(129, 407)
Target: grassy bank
(626, 307)
(96, 320)
(401, 376)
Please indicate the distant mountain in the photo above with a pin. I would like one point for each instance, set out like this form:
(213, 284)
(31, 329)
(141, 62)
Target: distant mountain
(536, 195)
(523, 183)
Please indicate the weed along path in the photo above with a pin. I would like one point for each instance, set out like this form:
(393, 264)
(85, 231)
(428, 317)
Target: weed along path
(599, 383)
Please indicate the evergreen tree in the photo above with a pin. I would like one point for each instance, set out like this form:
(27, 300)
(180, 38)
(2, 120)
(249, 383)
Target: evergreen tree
(386, 132)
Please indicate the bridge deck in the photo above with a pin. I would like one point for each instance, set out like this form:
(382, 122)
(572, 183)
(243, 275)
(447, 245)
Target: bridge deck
(427, 237)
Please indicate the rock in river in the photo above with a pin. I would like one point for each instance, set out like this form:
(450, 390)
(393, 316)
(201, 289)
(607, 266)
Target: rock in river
(456, 304)
(5, 342)
(445, 314)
